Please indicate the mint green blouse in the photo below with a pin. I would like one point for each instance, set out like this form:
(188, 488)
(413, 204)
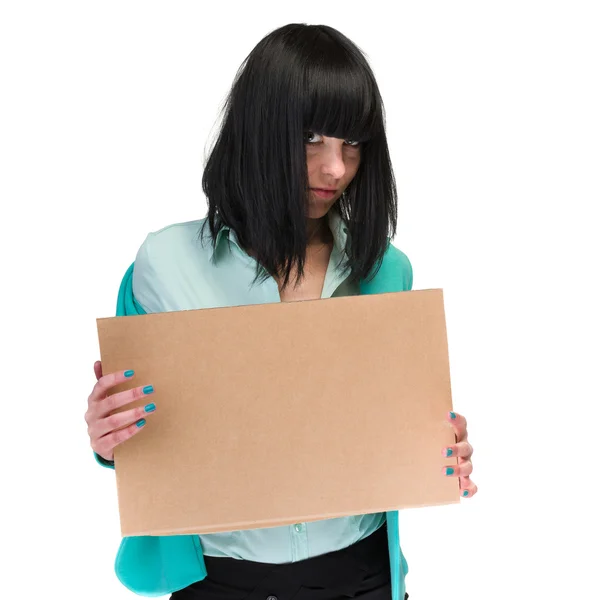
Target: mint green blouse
(174, 270)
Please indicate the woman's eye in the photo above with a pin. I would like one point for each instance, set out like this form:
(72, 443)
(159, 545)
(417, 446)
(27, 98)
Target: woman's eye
(311, 134)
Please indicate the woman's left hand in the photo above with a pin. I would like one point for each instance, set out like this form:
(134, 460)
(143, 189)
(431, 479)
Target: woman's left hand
(463, 450)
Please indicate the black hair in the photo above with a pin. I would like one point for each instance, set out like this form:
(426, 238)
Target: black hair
(300, 78)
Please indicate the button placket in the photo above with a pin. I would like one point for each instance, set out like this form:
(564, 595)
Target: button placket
(299, 539)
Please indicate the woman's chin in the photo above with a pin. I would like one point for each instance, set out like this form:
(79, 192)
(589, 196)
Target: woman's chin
(314, 213)
(317, 209)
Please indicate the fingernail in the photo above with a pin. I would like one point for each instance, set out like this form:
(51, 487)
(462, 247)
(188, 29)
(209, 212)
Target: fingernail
(148, 389)
(129, 373)
(141, 422)
(150, 407)
(448, 451)
(449, 471)
(466, 493)
(453, 415)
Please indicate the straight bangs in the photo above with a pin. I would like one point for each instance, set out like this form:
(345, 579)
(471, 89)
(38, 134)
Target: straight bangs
(341, 99)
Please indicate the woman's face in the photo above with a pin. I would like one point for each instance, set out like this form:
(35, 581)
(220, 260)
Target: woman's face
(332, 164)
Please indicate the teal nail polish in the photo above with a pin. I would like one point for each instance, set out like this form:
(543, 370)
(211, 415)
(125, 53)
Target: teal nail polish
(141, 422)
(150, 407)
(449, 471)
(448, 451)
(129, 373)
(453, 415)
(466, 493)
(148, 389)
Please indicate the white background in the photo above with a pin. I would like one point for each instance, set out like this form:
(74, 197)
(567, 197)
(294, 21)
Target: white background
(494, 131)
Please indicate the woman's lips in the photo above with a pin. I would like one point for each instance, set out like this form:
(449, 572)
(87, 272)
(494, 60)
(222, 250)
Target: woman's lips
(325, 194)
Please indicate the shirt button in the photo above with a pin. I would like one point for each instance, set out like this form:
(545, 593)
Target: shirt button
(298, 527)
(272, 598)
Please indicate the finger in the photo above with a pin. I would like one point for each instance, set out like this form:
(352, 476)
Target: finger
(459, 424)
(467, 488)
(112, 422)
(461, 449)
(105, 445)
(98, 369)
(113, 402)
(106, 382)
(460, 470)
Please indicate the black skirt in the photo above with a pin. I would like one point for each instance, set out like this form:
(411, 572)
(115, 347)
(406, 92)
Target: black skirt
(361, 570)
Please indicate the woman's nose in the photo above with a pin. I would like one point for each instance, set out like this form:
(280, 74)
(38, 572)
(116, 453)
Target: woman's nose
(333, 163)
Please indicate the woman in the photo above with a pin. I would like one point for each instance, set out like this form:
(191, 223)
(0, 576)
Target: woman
(302, 204)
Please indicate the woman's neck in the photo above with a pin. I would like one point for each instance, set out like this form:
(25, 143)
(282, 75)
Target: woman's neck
(318, 231)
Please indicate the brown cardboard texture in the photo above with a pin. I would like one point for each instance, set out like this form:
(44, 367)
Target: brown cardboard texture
(274, 414)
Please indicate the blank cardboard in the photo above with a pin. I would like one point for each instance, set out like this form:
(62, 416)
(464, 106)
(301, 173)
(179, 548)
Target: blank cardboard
(274, 414)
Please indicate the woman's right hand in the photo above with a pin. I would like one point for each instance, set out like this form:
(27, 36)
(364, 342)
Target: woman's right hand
(104, 429)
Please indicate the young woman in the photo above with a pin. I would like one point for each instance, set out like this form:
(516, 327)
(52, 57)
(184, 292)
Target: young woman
(302, 205)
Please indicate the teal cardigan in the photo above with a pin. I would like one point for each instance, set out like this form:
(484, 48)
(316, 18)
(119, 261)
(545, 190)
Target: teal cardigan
(158, 565)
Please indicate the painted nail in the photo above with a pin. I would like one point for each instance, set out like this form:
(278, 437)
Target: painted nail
(129, 373)
(448, 451)
(148, 389)
(453, 415)
(466, 493)
(449, 471)
(141, 422)
(150, 407)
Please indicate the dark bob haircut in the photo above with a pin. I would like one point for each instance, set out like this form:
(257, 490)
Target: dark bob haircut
(300, 78)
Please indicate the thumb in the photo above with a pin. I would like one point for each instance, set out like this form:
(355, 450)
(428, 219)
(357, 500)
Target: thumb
(98, 369)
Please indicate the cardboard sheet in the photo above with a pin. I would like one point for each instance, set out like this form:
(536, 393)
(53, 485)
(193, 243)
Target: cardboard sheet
(275, 414)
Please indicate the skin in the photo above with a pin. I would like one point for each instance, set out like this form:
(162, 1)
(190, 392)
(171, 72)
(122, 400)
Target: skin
(104, 429)
(331, 163)
(464, 451)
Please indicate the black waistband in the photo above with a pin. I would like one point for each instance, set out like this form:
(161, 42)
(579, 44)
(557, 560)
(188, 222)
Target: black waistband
(341, 568)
